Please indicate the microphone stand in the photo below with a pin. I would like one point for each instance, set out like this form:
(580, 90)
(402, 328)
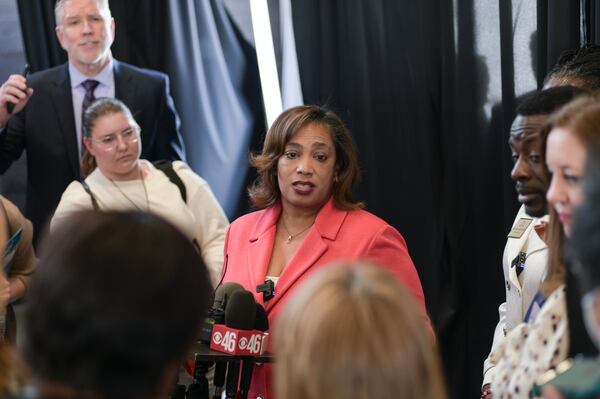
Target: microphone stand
(246, 379)
(199, 388)
(219, 379)
(178, 392)
(233, 373)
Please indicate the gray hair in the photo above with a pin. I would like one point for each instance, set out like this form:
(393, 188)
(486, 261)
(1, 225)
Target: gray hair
(59, 9)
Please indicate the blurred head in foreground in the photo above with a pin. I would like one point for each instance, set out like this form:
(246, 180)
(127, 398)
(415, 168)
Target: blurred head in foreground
(116, 302)
(352, 332)
(585, 244)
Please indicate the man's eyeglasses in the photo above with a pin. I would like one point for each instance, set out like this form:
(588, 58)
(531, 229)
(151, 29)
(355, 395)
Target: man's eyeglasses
(110, 141)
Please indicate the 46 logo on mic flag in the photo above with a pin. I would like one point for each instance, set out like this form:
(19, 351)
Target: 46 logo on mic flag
(253, 344)
(227, 340)
(236, 342)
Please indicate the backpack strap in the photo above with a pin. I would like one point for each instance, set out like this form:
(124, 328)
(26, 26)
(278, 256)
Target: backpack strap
(167, 168)
(4, 311)
(8, 226)
(87, 189)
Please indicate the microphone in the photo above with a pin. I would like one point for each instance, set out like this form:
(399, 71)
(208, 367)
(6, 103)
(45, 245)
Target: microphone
(224, 291)
(267, 289)
(236, 336)
(216, 314)
(241, 310)
(261, 320)
(261, 323)
(239, 317)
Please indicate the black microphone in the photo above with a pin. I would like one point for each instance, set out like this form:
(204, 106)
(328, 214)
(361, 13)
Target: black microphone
(261, 320)
(224, 291)
(241, 310)
(216, 314)
(261, 323)
(240, 314)
(267, 289)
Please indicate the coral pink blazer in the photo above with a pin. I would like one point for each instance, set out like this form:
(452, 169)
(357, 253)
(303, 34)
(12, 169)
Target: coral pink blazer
(336, 235)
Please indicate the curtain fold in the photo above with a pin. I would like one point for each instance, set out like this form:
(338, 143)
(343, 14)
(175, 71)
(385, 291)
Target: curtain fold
(42, 49)
(563, 29)
(210, 77)
(291, 88)
(591, 21)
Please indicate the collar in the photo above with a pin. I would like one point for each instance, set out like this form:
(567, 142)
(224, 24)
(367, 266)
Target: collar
(105, 77)
(543, 220)
(328, 222)
(536, 221)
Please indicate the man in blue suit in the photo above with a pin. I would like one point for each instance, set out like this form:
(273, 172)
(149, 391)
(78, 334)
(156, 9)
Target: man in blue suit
(46, 119)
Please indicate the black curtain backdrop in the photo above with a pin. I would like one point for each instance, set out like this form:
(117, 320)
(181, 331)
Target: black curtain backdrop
(434, 165)
(42, 49)
(560, 31)
(591, 21)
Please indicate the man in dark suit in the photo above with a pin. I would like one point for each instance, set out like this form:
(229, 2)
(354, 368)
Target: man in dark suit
(46, 119)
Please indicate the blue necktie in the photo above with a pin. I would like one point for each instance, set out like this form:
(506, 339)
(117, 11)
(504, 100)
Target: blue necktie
(89, 86)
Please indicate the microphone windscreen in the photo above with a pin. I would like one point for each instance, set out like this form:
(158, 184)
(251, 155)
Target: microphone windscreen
(224, 291)
(261, 321)
(240, 311)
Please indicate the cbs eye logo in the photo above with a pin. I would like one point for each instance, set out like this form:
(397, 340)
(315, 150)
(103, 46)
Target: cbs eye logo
(243, 343)
(217, 337)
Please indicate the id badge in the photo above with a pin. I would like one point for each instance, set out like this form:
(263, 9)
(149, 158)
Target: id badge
(519, 228)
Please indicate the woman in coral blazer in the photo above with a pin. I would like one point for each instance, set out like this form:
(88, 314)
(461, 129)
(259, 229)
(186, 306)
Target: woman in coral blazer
(308, 219)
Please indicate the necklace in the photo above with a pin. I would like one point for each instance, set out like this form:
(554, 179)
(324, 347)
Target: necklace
(129, 199)
(290, 236)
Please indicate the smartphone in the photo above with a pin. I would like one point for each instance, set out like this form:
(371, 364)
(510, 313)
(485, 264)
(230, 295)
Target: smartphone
(11, 106)
(578, 379)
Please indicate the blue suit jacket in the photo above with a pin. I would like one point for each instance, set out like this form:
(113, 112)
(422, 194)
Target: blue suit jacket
(45, 128)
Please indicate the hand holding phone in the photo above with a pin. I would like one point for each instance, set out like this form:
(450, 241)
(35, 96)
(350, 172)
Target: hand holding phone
(11, 106)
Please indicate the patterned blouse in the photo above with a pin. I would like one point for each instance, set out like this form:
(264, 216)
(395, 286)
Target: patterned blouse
(531, 349)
